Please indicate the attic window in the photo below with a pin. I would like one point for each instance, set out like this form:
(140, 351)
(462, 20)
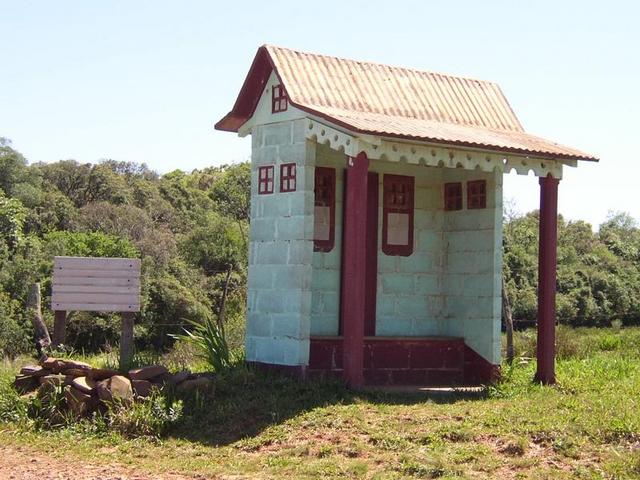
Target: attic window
(453, 196)
(288, 177)
(477, 194)
(265, 180)
(278, 99)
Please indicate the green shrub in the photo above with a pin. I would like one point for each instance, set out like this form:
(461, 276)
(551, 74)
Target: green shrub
(210, 342)
(49, 411)
(149, 417)
(12, 408)
(89, 244)
(14, 335)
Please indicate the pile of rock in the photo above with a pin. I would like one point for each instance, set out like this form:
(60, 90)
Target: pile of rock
(87, 388)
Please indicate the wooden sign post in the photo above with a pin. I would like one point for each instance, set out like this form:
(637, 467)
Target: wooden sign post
(96, 285)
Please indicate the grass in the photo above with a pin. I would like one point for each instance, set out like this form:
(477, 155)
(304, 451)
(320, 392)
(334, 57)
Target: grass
(588, 426)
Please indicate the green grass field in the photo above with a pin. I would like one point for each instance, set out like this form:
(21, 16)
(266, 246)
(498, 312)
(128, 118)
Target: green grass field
(588, 426)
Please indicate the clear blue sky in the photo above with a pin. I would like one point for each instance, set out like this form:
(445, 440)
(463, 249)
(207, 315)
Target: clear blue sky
(145, 81)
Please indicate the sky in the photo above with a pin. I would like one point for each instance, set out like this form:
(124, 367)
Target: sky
(145, 81)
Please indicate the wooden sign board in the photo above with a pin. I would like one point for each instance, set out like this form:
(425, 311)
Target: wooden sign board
(96, 284)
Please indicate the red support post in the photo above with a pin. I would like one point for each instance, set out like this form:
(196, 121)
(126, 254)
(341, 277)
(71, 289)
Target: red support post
(353, 290)
(547, 257)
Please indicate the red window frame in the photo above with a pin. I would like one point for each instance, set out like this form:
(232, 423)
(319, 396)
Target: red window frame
(265, 180)
(325, 196)
(398, 196)
(288, 177)
(476, 194)
(453, 196)
(279, 100)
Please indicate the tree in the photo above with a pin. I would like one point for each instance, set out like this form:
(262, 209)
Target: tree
(12, 217)
(13, 167)
(621, 235)
(232, 194)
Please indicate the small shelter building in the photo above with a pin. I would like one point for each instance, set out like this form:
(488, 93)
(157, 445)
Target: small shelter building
(376, 219)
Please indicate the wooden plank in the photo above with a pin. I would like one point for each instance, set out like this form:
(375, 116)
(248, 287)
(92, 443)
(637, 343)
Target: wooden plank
(96, 284)
(94, 263)
(120, 299)
(67, 272)
(91, 289)
(94, 281)
(96, 307)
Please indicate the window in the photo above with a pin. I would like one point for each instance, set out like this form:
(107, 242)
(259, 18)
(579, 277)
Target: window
(397, 220)
(325, 209)
(265, 180)
(477, 194)
(453, 196)
(278, 99)
(288, 177)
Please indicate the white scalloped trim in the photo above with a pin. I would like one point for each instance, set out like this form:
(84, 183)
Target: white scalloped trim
(431, 155)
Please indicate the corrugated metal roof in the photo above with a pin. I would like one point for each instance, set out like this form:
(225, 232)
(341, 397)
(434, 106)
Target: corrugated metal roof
(396, 102)
(319, 81)
(449, 133)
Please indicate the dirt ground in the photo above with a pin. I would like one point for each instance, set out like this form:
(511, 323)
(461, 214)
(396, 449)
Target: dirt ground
(19, 463)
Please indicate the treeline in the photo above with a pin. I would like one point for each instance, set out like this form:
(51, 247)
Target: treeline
(191, 230)
(598, 277)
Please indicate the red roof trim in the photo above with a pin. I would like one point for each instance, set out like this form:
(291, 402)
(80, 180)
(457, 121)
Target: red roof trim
(250, 93)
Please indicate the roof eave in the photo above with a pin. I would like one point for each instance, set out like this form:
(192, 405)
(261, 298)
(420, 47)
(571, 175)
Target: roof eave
(540, 154)
(247, 100)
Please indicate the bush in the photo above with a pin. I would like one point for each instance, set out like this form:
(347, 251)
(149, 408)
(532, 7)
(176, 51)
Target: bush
(14, 336)
(49, 411)
(89, 244)
(210, 342)
(12, 408)
(149, 417)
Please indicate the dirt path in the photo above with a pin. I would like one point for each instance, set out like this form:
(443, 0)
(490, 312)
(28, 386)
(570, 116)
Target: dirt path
(20, 463)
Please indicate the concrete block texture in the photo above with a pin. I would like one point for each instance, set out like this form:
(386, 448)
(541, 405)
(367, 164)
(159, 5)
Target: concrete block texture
(260, 278)
(281, 251)
(400, 283)
(264, 156)
(276, 134)
(291, 277)
(325, 324)
(258, 325)
(326, 276)
(449, 285)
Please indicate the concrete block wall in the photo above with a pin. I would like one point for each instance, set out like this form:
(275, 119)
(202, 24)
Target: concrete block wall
(281, 248)
(449, 285)
(325, 280)
(472, 267)
(409, 301)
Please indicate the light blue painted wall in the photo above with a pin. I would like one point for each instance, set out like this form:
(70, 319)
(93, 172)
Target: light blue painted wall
(472, 268)
(325, 280)
(409, 301)
(450, 285)
(280, 250)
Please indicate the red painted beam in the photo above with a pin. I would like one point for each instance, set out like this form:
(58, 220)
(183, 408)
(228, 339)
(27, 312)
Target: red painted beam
(547, 256)
(372, 255)
(354, 268)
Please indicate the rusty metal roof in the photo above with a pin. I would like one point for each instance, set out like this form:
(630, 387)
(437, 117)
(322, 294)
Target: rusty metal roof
(393, 102)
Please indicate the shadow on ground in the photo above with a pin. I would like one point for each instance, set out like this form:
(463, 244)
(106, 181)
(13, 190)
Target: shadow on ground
(247, 402)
